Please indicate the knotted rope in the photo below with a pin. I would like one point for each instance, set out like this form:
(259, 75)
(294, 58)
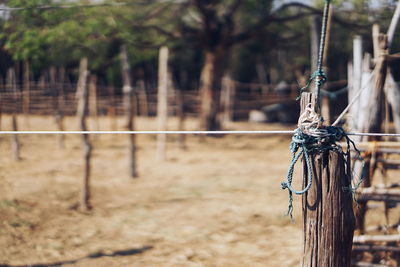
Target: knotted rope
(311, 136)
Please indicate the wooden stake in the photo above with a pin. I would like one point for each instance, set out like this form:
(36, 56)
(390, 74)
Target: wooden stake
(82, 93)
(227, 97)
(143, 102)
(162, 102)
(93, 105)
(26, 93)
(180, 99)
(374, 115)
(130, 106)
(60, 106)
(327, 208)
(12, 84)
(111, 111)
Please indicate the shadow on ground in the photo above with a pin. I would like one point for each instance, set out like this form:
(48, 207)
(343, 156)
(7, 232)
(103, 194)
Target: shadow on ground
(126, 252)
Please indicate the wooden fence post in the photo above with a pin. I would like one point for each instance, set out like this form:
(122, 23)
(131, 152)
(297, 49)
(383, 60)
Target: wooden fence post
(82, 93)
(130, 106)
(111, 110)
(327, 208)
(12, 84)
(227, 98)
(27, 93)
(93, 105)
(60, 106)
(143, 102)
(162, 102)
(181, 113)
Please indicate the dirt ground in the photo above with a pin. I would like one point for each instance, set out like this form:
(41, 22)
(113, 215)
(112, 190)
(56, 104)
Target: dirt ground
(217, 203)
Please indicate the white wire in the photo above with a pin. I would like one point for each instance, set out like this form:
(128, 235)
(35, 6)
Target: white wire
(145, 132)
(178, 132)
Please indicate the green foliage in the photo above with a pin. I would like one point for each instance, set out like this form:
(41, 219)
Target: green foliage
(63, 36)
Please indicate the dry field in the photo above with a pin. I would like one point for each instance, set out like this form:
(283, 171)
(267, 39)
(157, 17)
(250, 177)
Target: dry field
(218, 203)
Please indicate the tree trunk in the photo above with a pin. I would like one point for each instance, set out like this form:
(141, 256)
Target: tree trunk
(130, 106)
(209, 95)
(327, 208)
(82, 93)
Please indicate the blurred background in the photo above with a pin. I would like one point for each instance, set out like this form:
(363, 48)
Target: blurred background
(176, 65)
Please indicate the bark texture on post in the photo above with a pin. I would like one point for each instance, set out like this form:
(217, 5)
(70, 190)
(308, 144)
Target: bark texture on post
(130, 106)
(83, 99)
(162, 102)
(327, 208)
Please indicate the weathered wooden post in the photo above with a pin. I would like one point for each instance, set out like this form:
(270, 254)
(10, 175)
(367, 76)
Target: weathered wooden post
(12, 84)
(82, 93)
(130, 104)
(144, 107)
(93, 105)
(26, 93)
(181, 113)
(60, 106)
(227, 98)
(162, 102)
(111, 110)
(327, 206)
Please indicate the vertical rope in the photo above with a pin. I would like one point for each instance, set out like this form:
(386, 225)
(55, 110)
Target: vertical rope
(320, 76)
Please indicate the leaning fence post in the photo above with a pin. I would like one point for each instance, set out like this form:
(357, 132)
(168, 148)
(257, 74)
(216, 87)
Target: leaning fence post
(327, 207)
(82, 93)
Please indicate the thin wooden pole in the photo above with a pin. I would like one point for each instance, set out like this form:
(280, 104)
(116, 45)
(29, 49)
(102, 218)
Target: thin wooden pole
(93, 105)
(374, 118)
(82, 111)
(12, 84)
(356, 81)
(181, 112)
(130, 106)
(112, 108)
(27, 92)
(227, 95)
(162, 102)
(143, 102)
(60, 106)
(327, 208)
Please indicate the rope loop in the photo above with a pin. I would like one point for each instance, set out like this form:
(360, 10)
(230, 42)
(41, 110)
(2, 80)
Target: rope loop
(303, 145)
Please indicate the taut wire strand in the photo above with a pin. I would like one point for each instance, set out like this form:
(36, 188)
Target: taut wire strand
(287, 132)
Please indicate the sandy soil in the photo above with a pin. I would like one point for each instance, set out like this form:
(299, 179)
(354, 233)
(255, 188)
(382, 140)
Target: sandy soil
(217, 203)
